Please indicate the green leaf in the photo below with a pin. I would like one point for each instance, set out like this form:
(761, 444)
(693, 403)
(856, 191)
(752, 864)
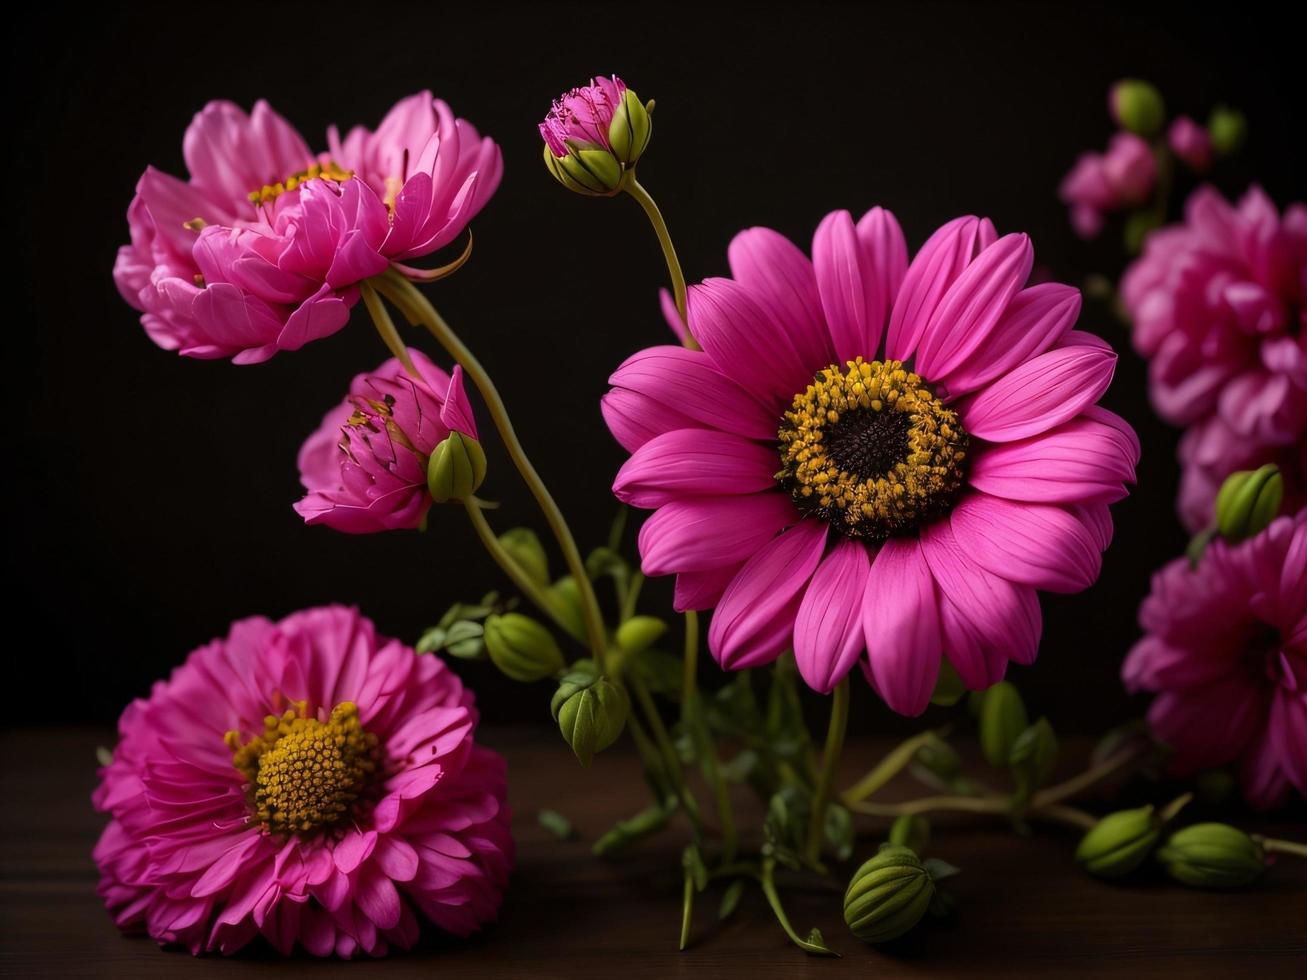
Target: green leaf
(692, 862)
(556, 824)
(627, 832)
(816, 943)
(939, 870)
(731, 899)
(662, 672)
(430, 641)
(607, 562)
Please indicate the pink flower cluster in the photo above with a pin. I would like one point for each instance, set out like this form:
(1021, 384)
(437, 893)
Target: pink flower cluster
(411, 824)
(263, 248)
(1219, 307)
(1117, 180)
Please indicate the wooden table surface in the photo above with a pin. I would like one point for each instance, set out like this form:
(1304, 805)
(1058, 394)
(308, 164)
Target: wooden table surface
(1023, 907)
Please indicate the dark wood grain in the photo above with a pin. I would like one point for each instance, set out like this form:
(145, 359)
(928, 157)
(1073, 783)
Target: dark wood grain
(1023, 907)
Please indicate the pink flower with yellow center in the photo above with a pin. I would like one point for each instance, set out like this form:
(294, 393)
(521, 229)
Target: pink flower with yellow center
(263, 248)
(875, 461)
(1225, 652)
(308, 781)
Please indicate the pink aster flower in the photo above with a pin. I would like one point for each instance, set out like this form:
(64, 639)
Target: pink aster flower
(307, 781)
(262, 249)
(872, 460)
(1191, 143)
(583, 115)
(365, 468)
(1225, 652)
(1219, 305)
(1119, 179)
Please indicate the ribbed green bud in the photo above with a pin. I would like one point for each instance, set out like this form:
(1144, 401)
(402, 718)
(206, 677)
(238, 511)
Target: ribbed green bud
(522, 648)
(456, 468)
(1248, 501)
(1227, 129)
(1002, 718)
(1212, 855)
(525, 547)
(911, 831)
(1137, 106)
(639, 633)
(888, 895)
(589, 710)
(630, 130)
(586, 170)
(1119, 842)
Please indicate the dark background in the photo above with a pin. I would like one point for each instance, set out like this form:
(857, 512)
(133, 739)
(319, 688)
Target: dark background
(149, 496)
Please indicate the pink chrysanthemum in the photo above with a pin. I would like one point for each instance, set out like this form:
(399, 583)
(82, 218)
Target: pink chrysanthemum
(1219, 305)
(874, 457)
(307, 781)
(365, 468)
(583, 115)
(262, 249)
(1121, 178)
(1226, 654)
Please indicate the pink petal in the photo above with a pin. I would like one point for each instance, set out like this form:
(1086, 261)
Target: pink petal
(695, 535)
(456, 413)
(702, 590)
(849, 290)
(634, 418)
(940, 261)
(1032, 544)
(694, 462)
(775, 271)
(900, 618)
(828, 637)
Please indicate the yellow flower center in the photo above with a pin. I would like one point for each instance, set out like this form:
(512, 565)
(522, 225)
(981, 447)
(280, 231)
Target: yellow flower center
(315, 171)
(306, 775)
(871, 450)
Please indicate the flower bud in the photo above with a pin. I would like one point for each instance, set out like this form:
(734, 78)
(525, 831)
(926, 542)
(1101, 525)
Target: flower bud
(1137, 106)
(589, 710)
(639, 633)
(456, 469)
(1032, 757)
(586, 171)
(594, 134)
(1212, 855)
(526, 549)
(630, 130)
(1227, 129)
(566, 597)
(1119, 842)
(522, 648)
(1002, 718)
(1248, 502)
(888, 895)
(911, 831)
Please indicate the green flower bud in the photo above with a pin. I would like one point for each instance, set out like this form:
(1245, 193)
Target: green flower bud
(912, 832)
(630, 130)
(1119, 842)
(1227, 129)
(888, 895)
(1248, 501)
(639, 633)
(1002, 718)
(566, 595)
(1212, 855)
(1032, 757)
(1137, 106)
(526, 549)
(456, 468)
(590, 711)
(586, 170)
(522, 648)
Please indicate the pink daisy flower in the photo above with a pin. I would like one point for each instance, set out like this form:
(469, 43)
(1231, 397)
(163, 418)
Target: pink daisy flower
(1226, 654)
(1119, 179)
(365, 468)
(871, 460)
(262, 249)
(307, 781)
(1219, 305)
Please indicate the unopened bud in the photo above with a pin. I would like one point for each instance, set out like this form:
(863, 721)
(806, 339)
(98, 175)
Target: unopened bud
(522, 648)
(1137, 106)
(1119, 842)
(1002, 718)
(911, 831)
(888, 895)
(456, 469)
(1212, 855)
(594, 134)
(639, 633)
(1248, 501)
(525, 547)
(589, 710)
(1228, 129)
(630, 130)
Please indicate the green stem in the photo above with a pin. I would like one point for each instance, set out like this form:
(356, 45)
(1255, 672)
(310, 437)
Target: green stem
(386, 327)
(637, 191)
(690, 676)
(993, 805)
(887, 768)
(509, 564)
(839, 721)
(416, 307)
(774, 900)
(632, 595)
(687, 905)
(1272, 846)
(692, 714)
(1078, 784)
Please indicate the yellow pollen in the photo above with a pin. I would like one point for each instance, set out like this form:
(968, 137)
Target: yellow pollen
(315, 171)
(871, 449)
(305, 775)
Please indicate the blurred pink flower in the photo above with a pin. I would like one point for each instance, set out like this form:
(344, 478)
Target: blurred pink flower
(583, 115)
(262, 249)
(903, 512)
(1119, 179)
(215, 835)
(1226, 654)
(365, 468)
(1190, 142)
(1219, 304)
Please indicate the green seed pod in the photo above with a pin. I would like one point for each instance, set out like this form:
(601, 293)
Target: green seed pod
(1002, 719)
(888, 895)
(1119, 842)
(912, 832)
(590, 712)
(587, 170)
(522, 648)
(456, 468)
(1248, 501)
(1212, 855)
(639, 633)
(630, 130)
(525, 547)
(1137, 106)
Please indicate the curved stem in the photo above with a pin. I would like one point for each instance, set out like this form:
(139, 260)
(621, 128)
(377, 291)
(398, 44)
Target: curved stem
(993, 805)
(839, 721)
(386, 327)
(774, 900)
(1272, 846)
(632, 595)
(637, 191)
(887, 768)
(508, 563)
(1078, 784)
(407, 297)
